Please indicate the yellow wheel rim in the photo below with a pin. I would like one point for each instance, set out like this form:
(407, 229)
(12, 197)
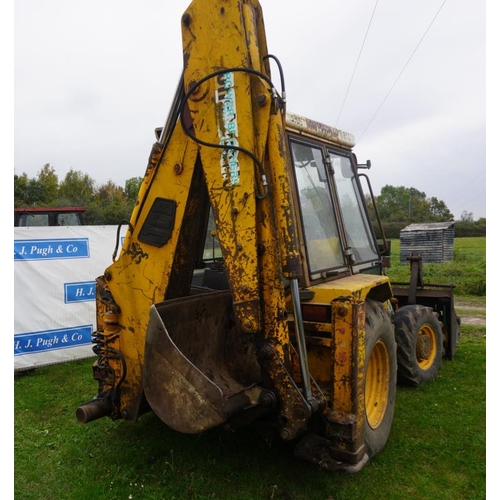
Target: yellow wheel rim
(377, 385)
(426, 348)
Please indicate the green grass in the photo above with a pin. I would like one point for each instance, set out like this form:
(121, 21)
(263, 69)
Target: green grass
(467, 271)
(436, 451)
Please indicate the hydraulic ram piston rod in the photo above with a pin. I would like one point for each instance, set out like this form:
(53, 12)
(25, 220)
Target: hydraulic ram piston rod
(301, 340)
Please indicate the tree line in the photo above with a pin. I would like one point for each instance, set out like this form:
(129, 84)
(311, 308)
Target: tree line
(400, 206)
(106, 204)
(109, 204)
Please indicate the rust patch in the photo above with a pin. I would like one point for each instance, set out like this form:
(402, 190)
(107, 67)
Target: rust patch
(136, 253)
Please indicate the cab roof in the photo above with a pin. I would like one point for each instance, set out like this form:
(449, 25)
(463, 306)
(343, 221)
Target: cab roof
(301, 124)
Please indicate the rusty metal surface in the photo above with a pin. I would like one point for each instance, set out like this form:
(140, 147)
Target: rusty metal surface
(319, 450)
(197, 362)
(320, 130)
(348, 376)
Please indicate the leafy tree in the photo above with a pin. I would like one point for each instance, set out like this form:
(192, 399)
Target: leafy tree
(466, 216)
(439, 211)
(77, 188)
(132, 187)
(390, 205)
(402, 204)
(105, 204)
(48, 183)
(417, 204)
(109, 193)
(110, 205)
(34, 194)
(38, 191)
(20, 190)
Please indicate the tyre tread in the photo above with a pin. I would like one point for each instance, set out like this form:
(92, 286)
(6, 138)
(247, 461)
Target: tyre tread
(407, 322)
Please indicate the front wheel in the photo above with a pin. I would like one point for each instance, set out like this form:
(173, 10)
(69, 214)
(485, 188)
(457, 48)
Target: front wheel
(380, 374)
(420, 344)
(380, 377)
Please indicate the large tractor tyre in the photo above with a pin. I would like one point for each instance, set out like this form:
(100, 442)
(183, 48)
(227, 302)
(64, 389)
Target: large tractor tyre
(380, 377)
(419, 336)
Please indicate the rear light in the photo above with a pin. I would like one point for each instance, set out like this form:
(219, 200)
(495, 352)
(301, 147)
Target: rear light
(317, 313)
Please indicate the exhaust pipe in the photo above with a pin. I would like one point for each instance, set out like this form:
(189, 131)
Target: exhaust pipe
(92, 410)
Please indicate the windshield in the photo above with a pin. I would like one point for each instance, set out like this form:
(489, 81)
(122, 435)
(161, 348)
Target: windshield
(320, 226)
(336, 229)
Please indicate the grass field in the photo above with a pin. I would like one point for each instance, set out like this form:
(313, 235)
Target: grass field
(436, 451)
(467, 270)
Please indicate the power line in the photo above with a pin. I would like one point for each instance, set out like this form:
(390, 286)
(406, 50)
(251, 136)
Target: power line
(402, 71)
(357, 61)
(461, 201)
(461, 204)
(472, 184)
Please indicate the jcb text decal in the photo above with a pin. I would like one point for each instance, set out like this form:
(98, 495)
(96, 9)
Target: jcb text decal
(227, 124)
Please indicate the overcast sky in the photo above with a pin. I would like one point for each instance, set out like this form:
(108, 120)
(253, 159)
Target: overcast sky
(93, 79)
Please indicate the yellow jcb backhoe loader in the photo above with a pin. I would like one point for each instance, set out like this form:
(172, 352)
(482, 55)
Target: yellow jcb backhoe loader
(250, 286)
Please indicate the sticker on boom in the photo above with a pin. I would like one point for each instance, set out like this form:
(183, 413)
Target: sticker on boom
(227, 125)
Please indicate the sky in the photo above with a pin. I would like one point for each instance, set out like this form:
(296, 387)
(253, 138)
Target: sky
(92, 80)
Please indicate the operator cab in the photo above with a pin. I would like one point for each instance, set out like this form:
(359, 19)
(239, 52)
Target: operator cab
(336, 234)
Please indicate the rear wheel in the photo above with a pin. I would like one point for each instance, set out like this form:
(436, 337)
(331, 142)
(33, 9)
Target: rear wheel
(420, 344)
(380, 377)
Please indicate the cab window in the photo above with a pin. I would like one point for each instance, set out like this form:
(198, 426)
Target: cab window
(359, 237)
(324, 249)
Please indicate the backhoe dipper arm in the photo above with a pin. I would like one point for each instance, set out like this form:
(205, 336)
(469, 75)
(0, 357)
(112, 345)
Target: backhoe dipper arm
(234, 109)
(239, 121)
(227, 148)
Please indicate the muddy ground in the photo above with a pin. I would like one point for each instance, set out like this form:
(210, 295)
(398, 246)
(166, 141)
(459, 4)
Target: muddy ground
(471, 314)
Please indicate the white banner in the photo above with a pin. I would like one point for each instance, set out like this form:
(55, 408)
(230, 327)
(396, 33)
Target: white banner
(54, 291)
